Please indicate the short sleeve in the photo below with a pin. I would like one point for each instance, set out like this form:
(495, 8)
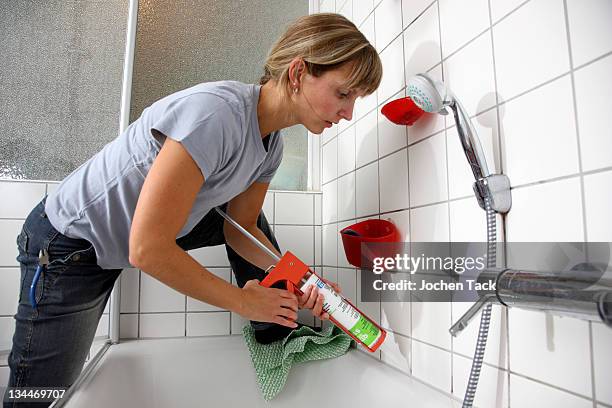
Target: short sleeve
(276, 152)
(204, 124)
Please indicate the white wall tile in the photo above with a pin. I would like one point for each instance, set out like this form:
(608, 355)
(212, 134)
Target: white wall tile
(593, 90)
(361, 9)
(533, 219)
(327, 6)
(431, 321)
(346, 151)
(492, 385)
(401, 220)
(345, 7)
(158, 297)
(330, 202)
(130, 290)
(328, 134)
(460, 176)
(525, 393)
(500, 8)
(346, 197)
(590, 29)
(431, 365)
(317, 206)
(268, 207)
(366, 182)
(496, 352)
(598, 201)
(208, 324)
(162, 325)
(395, 351)
(467, 221)
(427, 161)
(469, 73)
(430, 223)
(393, 181)
(422, 43)
(412, 9)
(429, 123)
(7, 328)
(23, 198)
(453, 18)
(388, 22)
(294, 208)
(128, 326)
(330, 245)
(9, 230)
(602, 356)
(194, 305)
(365, 105)
(396, 315)
(391, 137)
(297, 239)
(330, 161)
(366, 139)
(560, 345)
(347, 280)
(533, 54)
(393, 70)
(210, 256)
(371, 308)
(317, 249)
(10, 284)
(532, 128)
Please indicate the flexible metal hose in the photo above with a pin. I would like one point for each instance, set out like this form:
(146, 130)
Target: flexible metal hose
(485, 318)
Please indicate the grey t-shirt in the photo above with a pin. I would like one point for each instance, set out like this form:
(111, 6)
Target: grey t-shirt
(217, 124)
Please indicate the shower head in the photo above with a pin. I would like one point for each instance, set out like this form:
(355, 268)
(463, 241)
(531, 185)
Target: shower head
(428, 94)
(433, 96)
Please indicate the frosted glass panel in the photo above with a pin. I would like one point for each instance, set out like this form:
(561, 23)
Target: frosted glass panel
(60, 83)
(182, 43)
(62, 63)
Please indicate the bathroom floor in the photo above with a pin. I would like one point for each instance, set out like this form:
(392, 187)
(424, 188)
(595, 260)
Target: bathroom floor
(217, 371)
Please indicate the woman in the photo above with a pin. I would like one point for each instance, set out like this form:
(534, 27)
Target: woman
(149, 196)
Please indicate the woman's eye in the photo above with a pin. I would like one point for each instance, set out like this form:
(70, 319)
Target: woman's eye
(343, 95)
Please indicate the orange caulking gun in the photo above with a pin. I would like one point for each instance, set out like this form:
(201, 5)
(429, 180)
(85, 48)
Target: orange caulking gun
(298, 276)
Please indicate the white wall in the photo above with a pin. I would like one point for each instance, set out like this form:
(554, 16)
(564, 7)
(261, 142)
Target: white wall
(535, 78)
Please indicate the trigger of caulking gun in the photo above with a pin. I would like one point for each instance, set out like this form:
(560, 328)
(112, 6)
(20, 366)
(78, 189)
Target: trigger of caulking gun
(288, 269)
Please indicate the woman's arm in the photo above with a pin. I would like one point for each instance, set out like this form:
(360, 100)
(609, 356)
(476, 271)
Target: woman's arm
(163, 206)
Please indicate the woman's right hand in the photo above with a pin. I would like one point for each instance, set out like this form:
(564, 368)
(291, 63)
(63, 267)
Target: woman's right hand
(269, 305)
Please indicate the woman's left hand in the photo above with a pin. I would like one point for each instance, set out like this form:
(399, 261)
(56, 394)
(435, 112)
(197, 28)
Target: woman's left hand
(312, 299)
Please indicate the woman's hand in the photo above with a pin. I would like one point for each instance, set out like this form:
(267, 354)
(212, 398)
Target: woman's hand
(268, 304)
(312, 299)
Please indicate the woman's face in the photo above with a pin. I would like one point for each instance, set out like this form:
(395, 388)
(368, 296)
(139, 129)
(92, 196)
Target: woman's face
(325, 100)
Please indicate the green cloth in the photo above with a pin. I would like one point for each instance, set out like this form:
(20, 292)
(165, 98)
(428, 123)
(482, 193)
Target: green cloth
(273, 361)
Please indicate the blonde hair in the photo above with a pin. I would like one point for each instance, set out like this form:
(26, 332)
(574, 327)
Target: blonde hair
(324, 41)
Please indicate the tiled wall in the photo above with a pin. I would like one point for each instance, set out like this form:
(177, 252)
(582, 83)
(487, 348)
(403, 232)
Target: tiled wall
(535, 78)
(152, 309)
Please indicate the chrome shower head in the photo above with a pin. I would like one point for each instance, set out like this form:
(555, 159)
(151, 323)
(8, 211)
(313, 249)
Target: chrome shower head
(428, 94)
(433, 96)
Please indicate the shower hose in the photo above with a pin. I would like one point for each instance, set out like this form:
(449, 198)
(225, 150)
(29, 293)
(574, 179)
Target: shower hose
(485, 318)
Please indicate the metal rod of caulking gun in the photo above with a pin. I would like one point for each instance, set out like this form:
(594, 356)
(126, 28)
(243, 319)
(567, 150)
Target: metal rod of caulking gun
(248, 235)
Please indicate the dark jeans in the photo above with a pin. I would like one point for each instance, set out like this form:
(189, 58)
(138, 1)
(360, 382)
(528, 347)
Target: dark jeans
(51, 342)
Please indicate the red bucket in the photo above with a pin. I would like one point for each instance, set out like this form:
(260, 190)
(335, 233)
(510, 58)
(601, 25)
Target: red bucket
(373, 230)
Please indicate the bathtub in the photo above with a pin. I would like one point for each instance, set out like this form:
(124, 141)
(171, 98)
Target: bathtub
(217, 372)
